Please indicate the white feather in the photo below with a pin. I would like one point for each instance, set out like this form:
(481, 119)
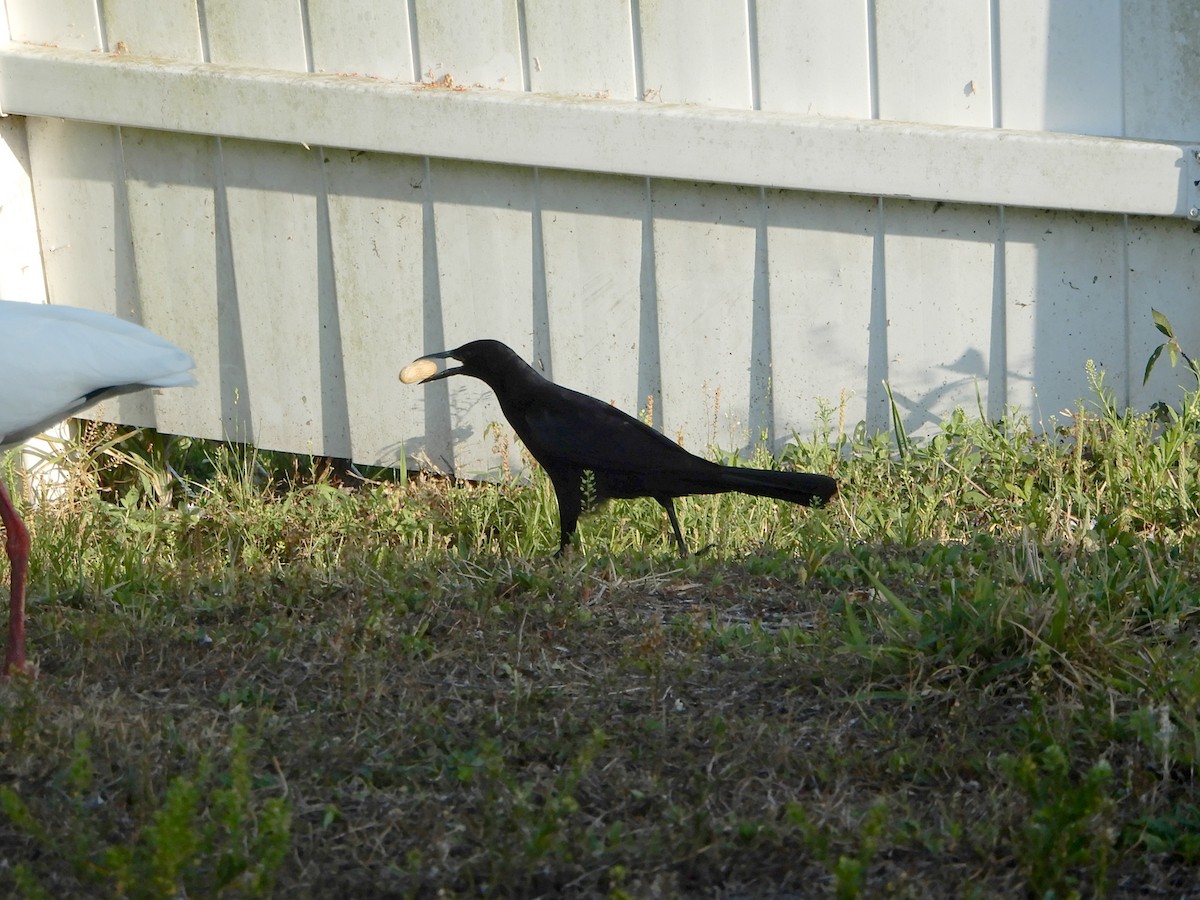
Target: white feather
(56, 361)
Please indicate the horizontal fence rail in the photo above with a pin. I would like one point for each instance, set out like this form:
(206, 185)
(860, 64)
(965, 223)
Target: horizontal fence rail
(701, 143)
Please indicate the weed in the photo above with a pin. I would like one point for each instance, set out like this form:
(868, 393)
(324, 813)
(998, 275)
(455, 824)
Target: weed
(209, 833)
(1171, 345)
(1067, 828)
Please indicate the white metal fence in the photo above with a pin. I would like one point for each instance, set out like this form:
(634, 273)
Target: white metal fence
(733, 209)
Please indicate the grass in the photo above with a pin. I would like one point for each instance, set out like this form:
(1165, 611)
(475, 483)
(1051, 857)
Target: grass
(974, 675)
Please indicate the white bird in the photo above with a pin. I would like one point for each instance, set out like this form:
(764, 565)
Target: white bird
(56, 361)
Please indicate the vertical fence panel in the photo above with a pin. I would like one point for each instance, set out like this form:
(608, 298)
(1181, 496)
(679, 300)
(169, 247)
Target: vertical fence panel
(376, 212)
(267, 33)
(362, 37)
(279, 274)
(814, 57)
(83, 221)
(478, 232)
(1060, 70)
(277, 270)
(935, 61)
(935, 65)
(593, 237)
(79, 220)
(164, 28)
(483, 224)
(821, 281)
(171, 187)
(1160, 43)
(939, 285)
(1060, 66)
(169, 181)
(705, 253)
(591, 227)
(696, 51)
(1158, 280)
(1066, 305)
(474, 43)
(581, 47)
(21, 273)
(705, 248)
(64, 23)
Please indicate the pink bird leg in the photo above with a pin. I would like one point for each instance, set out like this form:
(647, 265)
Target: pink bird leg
(17, 544)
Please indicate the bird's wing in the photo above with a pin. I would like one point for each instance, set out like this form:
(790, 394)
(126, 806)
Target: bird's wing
(52, 358)
(569, 428)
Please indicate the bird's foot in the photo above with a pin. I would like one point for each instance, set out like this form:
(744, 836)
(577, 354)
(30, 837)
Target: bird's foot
(18, 669)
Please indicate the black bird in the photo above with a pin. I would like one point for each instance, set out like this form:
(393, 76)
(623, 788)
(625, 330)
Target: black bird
(592, 451)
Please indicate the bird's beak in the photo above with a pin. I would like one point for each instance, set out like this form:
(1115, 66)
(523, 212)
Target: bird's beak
(445, 354)
(424, 370)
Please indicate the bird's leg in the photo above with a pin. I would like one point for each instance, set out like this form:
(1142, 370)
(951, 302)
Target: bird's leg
(17, 544)
(669, 505)
(570, 503)
(564, 540)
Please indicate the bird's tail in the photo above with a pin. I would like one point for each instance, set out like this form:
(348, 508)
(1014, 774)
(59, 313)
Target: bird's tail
(796, 487)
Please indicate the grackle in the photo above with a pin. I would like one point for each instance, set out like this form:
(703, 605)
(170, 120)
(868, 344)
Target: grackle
(593, 451)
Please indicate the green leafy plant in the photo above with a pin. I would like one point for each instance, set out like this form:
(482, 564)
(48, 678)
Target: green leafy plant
(210, 834)
(1174, 349)
(1067, 827)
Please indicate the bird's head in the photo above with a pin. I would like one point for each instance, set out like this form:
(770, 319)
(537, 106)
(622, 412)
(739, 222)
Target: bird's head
(489, 361)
